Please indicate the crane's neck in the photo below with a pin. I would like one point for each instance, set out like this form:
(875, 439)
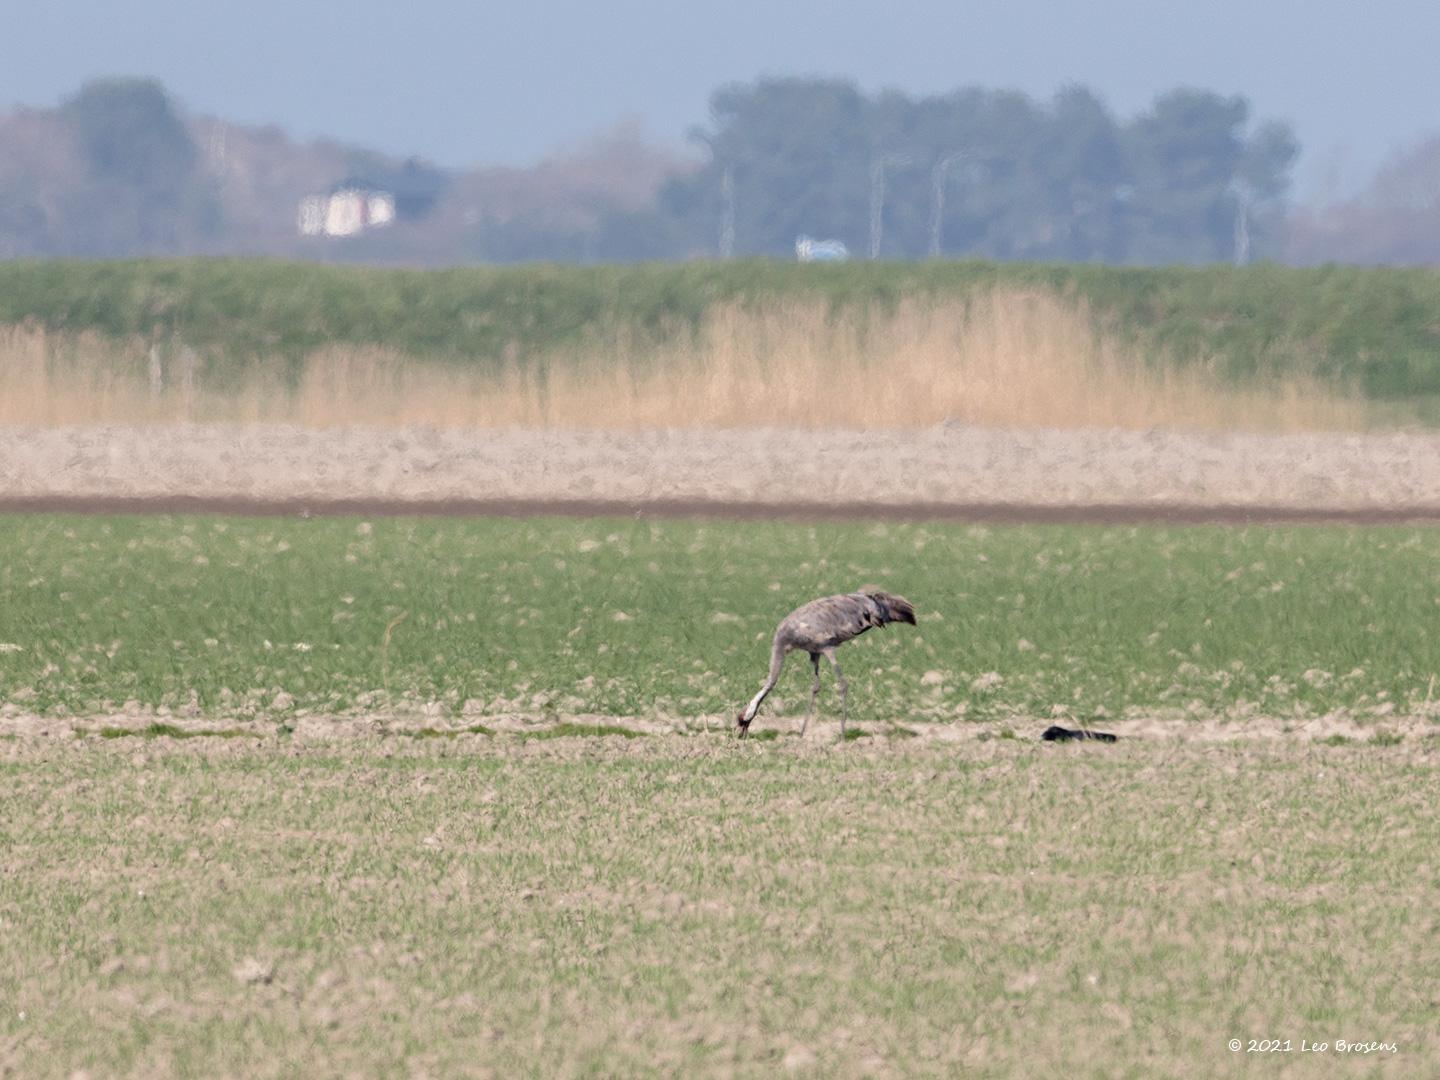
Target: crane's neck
(777, 661)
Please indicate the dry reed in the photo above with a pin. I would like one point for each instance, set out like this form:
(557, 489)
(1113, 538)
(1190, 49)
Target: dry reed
(1009, 358)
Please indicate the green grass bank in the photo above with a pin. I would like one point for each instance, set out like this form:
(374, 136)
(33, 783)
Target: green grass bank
(1378, 329)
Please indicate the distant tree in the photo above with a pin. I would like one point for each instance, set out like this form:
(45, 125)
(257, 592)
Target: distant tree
(1264, 167)
(130, 133)
(1086, 173)
(1194, 173)
(1183, 155)
(1394, 220)
(1011, 198)
(980, 172)
(146, 192)
(644, 236)
(415, 184)
(39, 165)
(1262, 181)
(799, 153)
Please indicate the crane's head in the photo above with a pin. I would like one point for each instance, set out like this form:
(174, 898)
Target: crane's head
(742, 721)
(893, 608)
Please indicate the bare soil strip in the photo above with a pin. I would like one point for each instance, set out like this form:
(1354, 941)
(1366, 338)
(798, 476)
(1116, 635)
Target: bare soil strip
(1170, 725)
(949, 472)
(963, 513)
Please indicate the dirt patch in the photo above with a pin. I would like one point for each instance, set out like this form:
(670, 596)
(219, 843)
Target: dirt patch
(147, 725)
(973, 513)
(949, 471)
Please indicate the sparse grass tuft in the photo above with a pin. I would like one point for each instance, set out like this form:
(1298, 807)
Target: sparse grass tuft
(1386, 738)
(449, 733)
(565, 730)
(159, 730)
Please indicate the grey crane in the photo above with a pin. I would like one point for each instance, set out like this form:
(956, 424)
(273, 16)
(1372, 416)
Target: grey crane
(818, 628)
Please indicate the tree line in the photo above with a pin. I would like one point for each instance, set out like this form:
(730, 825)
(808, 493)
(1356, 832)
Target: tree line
(973, 173)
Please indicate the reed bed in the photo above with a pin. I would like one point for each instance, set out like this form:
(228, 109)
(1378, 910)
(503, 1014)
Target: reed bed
(1010, 357)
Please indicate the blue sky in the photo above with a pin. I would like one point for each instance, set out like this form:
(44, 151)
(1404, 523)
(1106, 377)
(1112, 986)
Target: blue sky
(506, 82)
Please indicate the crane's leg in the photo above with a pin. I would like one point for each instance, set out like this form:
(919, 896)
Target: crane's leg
(842, 682)
(814, 693)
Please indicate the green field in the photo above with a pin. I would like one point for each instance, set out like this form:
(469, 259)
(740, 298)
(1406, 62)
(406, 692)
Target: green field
(244, 618)
(698, 906)
(1374, 328)
(249, 875)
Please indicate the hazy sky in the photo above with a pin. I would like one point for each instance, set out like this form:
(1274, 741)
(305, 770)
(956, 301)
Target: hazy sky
(466, 82)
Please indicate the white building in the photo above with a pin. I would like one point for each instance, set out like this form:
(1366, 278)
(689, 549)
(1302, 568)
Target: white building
(810, 250)
(346, 211)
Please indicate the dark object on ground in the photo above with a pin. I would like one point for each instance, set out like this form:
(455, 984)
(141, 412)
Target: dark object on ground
(1054, 733)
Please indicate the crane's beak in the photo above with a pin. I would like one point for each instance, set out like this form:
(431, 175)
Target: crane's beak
(742, 725)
